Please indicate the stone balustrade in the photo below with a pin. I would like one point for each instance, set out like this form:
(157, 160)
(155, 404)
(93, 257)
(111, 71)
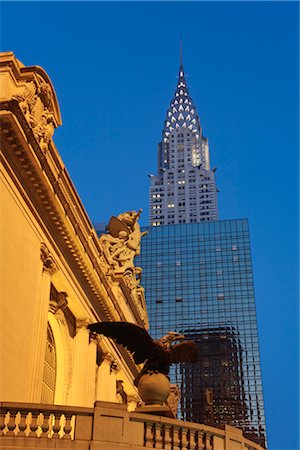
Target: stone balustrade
(108, 426)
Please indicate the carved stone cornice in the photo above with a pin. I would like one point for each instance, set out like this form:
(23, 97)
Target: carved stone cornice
(49, 264)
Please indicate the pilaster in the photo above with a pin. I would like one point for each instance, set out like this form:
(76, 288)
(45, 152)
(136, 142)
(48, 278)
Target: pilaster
(48, 268)
(78, 392)
(107, 378)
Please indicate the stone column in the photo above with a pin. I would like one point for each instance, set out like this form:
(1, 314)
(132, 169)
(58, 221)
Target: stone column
(79, 388)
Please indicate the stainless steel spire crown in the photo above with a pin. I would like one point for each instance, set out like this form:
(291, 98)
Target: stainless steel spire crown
(184, 190)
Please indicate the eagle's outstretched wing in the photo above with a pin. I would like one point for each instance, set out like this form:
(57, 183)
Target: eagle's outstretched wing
(135, 338)
(184, 352)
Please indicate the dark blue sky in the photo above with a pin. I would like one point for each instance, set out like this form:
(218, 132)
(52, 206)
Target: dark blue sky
(114, 68)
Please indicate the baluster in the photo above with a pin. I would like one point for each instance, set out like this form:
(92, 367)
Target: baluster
(167, 441)
(176, 439)
(199, 441)
(148, 435)
(45, 426)
(208, 441)
(11, 423)
(2, 422)
(184, 439)
(158, 436)
(193, 440)
(33, 425)
(56, 425)
(67, 427)
(22, 424)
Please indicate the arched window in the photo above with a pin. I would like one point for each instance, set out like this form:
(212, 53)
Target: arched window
(49, 375)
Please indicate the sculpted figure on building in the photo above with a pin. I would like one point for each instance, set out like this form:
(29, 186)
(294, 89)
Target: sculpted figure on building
(119, 247)
(122, 242)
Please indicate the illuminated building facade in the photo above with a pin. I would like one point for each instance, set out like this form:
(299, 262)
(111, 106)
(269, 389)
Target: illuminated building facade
(198, 280)
(184, 190)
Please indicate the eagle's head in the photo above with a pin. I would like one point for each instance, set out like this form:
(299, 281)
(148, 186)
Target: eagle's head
(170, 337)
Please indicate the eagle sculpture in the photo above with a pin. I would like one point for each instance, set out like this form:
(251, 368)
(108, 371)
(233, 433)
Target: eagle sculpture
(158, 354)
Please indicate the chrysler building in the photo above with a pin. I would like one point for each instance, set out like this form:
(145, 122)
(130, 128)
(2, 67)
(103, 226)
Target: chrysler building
(184, 190)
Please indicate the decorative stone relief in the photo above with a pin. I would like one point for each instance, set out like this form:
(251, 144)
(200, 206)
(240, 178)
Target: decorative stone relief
(35, 101)
(107, 357)
(82, 324)
(120, 392)
(132, 278)
(119, 247)
(132, 401)
(60, 302)
(174, 398)
(27, 99)
(44, 130)
(49, 264)
(122, 242)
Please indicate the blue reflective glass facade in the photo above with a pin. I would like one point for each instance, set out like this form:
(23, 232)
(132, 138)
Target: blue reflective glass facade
(198, 280)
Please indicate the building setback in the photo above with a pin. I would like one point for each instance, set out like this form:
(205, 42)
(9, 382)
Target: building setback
(198, 281)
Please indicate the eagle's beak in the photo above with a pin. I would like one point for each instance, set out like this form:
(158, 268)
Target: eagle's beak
(180, 337)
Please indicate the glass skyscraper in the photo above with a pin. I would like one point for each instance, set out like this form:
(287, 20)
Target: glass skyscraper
(198, 280)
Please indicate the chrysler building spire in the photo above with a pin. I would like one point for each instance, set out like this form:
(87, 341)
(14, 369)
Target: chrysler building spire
(184, 190)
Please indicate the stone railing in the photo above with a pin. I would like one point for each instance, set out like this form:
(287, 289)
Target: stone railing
(108, 426)
(39, 421)
(172, 434)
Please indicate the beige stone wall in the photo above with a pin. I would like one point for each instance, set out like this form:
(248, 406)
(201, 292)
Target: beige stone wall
(21, 294)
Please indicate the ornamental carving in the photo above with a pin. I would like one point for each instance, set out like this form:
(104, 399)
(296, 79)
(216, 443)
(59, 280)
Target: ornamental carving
(58, 301)
(122, 242)
(118, 249)
(49, 264)
(35, 100)
(27, 98)
(132, 278)
(44, 130)
(174, 398)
